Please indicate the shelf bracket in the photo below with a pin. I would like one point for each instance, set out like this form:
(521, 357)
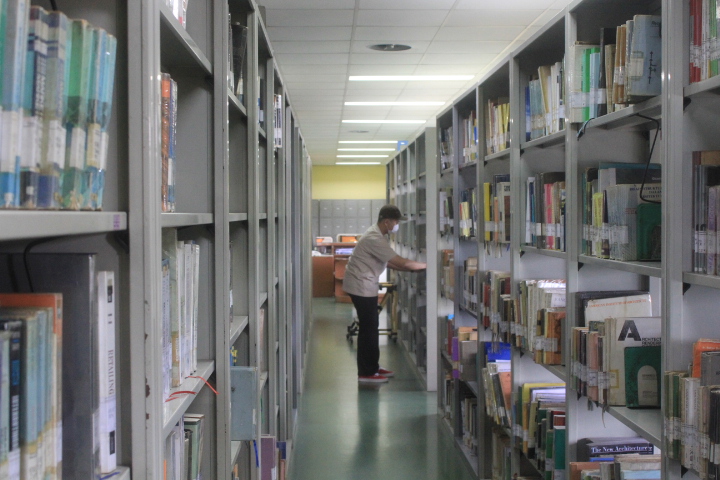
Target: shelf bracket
(683, 471)
(522, 252)
(687, 101)
(686, 287)
(580, 265)
(122, 238)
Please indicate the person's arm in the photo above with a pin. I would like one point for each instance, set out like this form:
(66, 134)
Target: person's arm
(404, 265)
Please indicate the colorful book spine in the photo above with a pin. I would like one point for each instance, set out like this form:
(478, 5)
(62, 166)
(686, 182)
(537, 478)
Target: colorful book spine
(12, 89)
(77, 115)
(52, 158)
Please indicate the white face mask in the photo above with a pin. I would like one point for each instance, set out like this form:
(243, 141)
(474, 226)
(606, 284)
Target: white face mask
(395, 228)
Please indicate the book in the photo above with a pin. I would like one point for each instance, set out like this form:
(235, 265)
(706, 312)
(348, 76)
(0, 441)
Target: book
(16, 14)
(620, 333)
(5, 381)
(649, 239)
(622, 205)
(195, 423)
(699, 347)
(10, 463)
(107, 367)
(239, 51)
(645, 58)
(593, 448)
(642, 376)
(168, 142)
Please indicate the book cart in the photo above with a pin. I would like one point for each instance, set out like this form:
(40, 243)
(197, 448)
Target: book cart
(407, 182)
(240, 194)
(685, 300)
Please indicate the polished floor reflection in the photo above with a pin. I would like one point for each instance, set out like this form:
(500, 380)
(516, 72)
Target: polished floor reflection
(347, 431)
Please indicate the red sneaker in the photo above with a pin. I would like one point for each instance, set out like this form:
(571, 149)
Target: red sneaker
(377, 378)
(385, 373)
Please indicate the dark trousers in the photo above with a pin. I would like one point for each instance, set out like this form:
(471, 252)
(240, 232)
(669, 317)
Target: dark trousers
(368, 348)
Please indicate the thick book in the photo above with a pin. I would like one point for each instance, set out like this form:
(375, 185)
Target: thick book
(107, 368)
(636, 305)
(645, 60)
(710, 368)
(195, 423)
(622, 204)
(603, 447)
(642, 376)
(620, 333)
(74, 276)
(699, 347)
(649, 232)
(13, 81)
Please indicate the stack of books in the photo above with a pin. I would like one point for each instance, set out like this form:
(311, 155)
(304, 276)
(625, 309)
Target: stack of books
(545, 211)
(497, 382)
(447, 281)
(495, 290)
(470, 138)
(497, 214)
(620, 219)
(471, 286)
(537, 405)
(624, 68)
(446, 148)
(184, 449)
(615, 355)
(706, 200)
(168, 136)
(56, 101)
(497, 125)
(704, 53)
(545, 102)
(537, 329)
(468, 214)
(447, 212)
(622, 466)
(180, 290)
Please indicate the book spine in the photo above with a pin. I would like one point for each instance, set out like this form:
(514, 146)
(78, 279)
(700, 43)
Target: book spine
(107, 370)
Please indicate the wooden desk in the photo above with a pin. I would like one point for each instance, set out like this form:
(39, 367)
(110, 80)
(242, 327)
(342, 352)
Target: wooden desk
(323, 278)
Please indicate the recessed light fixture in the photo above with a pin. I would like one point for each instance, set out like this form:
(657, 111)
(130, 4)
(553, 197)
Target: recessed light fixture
(409, 78)
(366, 149)
(362, 156)
(357, 163)
(389, 47)
(385, 121)
(395, 104)
(359, 131)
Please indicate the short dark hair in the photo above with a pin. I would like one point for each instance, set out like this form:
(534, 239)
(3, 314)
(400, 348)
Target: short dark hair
(390, 212)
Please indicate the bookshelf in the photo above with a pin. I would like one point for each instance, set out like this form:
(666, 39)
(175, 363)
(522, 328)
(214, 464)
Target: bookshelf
(408, 186)
(684, 299)
(247, 216)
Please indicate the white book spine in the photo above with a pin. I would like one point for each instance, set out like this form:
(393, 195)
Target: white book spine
(107, 371)
(196, 294)
(189, 301)
(181, 298)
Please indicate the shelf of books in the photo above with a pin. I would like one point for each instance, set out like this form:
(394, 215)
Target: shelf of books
(595, 334)
(408, 189)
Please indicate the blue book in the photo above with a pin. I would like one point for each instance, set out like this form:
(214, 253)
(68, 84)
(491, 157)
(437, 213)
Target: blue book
(497, 351)
(106, 96)
(52, 158)
(645, 59)
(93, 130)
(11, 96)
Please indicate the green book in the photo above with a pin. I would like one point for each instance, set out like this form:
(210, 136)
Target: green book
(559, 451)
(649, 234)
(549, 454)
(83, 41)
(642, 377)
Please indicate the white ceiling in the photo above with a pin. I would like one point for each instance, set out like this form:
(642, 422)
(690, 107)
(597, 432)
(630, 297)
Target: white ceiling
(318, 44)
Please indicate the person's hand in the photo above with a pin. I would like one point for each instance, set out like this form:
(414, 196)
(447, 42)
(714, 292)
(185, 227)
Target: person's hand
(422, 266)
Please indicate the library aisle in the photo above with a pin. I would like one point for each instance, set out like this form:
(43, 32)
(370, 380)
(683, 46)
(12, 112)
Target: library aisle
(356, 432)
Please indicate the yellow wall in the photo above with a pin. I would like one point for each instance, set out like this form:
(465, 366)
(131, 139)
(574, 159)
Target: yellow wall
(348, 182)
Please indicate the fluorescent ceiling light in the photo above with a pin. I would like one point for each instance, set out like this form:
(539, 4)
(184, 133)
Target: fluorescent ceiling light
(409, 78)
(366, 149)
(363, 156)
(385, 121)
(395, 104)
(368, 141)
(357, 163)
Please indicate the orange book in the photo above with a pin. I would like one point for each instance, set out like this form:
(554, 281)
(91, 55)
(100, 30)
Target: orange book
(506, 385)
(703, 345)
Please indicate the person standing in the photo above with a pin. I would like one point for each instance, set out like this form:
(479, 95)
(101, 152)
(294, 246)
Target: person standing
(371, 256)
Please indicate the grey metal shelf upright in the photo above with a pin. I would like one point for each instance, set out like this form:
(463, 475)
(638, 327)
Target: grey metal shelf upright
(233, 194)
(407, 187)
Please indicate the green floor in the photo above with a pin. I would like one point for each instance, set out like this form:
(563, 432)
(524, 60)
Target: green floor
(372, 433)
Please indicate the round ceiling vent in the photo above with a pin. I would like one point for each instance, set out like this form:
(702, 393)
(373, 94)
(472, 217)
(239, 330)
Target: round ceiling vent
(359, 131)
(389, 47)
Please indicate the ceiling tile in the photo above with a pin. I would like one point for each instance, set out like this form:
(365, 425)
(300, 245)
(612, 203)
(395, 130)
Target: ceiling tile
(472, 34)
(467, 47)
(370, 97)
(417, 47)
(334, 46)
(359, 69)
(313, 69)
(312, 59)
(365, 112)
(394, 35)
(319, 89)
(400, 18)
(444, 70)
(503, 4)
(472, 60)
(294, 78)
(384, 59)
(309, 18)
(407, 4)
(478, 18)
(310, 34)
(324, 4)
